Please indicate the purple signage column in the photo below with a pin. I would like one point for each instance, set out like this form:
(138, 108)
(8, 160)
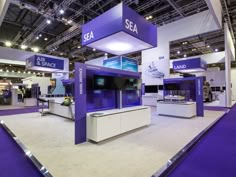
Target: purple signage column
(199, 96)
(80, 103)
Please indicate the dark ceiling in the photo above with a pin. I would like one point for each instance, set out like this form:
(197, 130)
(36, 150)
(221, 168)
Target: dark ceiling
(27, 19)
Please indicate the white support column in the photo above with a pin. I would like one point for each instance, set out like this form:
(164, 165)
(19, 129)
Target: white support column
(215, 9)
(4, 4)
(228, 58)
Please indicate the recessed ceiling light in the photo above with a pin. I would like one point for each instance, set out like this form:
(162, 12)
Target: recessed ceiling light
(62, 11)
(8, 43)
(48, 21)
(23, 47)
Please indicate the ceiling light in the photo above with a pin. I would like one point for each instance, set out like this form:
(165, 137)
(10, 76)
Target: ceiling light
(178, 52)
(1, 70)
(69, 21)
(48, 21)
(24, 72)
(61, 54)
(33, 72)
(29, 72)
(7, 71)
(216, 50)
(94, 49)
(208, 46)
(105, 54)
(12, 71)
(119, 46)
(35, 49)
(23, 47)
(8, 43)
(194, 49)
(62, 11)
(19, 72)
(185, 55)
(37, 38)
(79, 47)
(40, 35)
(45, 38)
(70, 63)
(150, 17)
(147, 18)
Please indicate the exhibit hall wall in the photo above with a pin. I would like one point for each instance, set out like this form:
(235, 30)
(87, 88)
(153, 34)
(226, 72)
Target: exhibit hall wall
(155, 62)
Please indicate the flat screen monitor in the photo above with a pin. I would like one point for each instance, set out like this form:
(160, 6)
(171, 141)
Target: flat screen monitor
(151, 89)
(160, 87)
(171, 87)
(132, 84)
(217, 89)
(103, 82)
(224, 88)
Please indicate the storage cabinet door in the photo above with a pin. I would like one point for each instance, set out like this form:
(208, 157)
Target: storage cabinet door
(134, 119)
(108, 126)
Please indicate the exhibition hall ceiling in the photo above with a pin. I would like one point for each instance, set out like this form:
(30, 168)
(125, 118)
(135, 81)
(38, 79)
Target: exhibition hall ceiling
(54, 26)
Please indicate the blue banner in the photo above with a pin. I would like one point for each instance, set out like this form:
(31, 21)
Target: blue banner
(113, 63)
(129, 64)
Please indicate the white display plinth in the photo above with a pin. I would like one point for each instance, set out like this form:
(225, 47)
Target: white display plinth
(184, 110)
(30, 102)
(117, 121)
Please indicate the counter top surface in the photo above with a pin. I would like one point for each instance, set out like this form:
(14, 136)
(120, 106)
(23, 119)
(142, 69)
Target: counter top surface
(179, 103)
(115, 111)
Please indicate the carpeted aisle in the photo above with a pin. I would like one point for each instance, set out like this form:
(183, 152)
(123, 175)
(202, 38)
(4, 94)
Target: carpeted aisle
(215, 154)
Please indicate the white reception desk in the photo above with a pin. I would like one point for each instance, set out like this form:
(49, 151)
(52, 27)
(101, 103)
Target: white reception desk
(106, 124)
(177, 109)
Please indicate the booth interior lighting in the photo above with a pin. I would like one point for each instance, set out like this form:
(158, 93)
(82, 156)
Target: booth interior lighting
(8, 43)
(23, 47)
(119, 44)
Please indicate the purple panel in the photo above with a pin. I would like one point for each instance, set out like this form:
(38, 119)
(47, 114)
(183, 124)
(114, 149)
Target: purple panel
(80, 103)
(131, 98)
(98, 100)
(104, 25)
(193, 63)
(139, 27)
(8, 112)
(199, 96)
(13, 161)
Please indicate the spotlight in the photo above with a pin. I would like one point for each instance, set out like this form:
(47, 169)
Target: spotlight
(48, 21)
(150, 17)
(62, 11)
(185, 55)
(178, 52)
(216, 50)
(23, 47)
(8, 43)
(45, 38)
(37, 38)
(79, 47)
(94, 49)
(69, 21)
(208, 46)
(40, 35)
(35, 49)
(29, 72)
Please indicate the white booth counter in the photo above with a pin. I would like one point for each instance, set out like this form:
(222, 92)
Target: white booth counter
(150, 99)
(177, 109)
(106, 124)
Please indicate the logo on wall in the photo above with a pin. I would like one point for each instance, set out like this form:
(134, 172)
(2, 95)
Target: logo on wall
(152, 71)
